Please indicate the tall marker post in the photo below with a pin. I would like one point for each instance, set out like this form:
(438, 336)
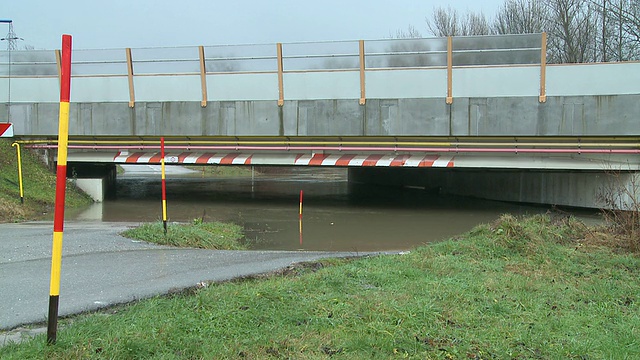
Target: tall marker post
(61, 182)
(164, 187)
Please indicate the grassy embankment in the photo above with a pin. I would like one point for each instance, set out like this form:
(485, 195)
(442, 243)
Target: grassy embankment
(199, 234)
(39, 187)
(530, 288)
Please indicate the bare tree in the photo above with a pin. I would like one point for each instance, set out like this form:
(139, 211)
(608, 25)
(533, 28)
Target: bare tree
(619, 44)
(410, 33)
(578, 30)
(444, 22)
(630, 25)
(631, 18)
(572, 31)
(448, 22)
(605, 29)
(521, 17)
(475, 24)
(619, 23)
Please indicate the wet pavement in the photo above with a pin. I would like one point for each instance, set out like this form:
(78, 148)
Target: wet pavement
(101, 268)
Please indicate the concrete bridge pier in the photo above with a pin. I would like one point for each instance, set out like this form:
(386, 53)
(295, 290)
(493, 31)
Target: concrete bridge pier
(620, 190)
(98, 180)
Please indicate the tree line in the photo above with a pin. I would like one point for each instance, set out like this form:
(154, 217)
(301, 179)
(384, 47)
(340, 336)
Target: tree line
(578, 30)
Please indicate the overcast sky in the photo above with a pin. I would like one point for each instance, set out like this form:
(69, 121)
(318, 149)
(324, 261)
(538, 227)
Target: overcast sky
(152, 23)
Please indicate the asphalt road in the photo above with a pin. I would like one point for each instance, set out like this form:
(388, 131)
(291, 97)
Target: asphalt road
(101, 268)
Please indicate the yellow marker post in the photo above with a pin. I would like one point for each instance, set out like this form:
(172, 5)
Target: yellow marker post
(17, 146)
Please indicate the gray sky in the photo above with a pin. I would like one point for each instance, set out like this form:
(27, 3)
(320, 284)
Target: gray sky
(149, 23)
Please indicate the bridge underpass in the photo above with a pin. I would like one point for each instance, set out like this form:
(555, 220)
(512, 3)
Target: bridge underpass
(560, 171)
(487, 112)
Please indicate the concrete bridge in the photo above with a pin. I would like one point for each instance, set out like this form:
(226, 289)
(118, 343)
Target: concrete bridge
(480, 116)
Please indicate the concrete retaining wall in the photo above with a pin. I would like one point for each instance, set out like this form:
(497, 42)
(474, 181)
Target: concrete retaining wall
(499, 116)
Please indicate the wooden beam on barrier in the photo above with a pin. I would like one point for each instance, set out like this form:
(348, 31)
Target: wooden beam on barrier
(543, 69)
(132, 96)
(363, 97)
(59, 65)
(449, 99)
(203, 76)
(280, 75)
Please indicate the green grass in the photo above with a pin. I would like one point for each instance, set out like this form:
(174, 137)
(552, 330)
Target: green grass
(516, 289)
(38, 183)
(203, 235)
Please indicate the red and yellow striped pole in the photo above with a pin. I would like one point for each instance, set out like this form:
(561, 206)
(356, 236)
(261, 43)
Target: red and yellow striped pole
(61, 182)
(164, 187)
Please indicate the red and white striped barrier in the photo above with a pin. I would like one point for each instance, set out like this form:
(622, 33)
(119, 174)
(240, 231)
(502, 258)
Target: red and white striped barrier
(6, 130)
(341, 160)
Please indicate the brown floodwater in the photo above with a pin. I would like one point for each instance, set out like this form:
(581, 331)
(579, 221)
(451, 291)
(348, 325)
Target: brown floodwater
(337, 216)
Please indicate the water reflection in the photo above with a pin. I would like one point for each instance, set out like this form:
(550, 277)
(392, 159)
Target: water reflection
(336, 216)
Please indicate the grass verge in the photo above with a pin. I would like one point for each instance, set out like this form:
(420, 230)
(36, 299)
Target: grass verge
(39, 187)
(203, 235)
(516, 289)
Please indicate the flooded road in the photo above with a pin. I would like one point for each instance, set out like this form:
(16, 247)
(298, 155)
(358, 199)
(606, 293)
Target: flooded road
(336, 216)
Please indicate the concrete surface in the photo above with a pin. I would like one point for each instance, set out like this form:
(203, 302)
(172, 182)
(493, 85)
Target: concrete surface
(101, 268)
